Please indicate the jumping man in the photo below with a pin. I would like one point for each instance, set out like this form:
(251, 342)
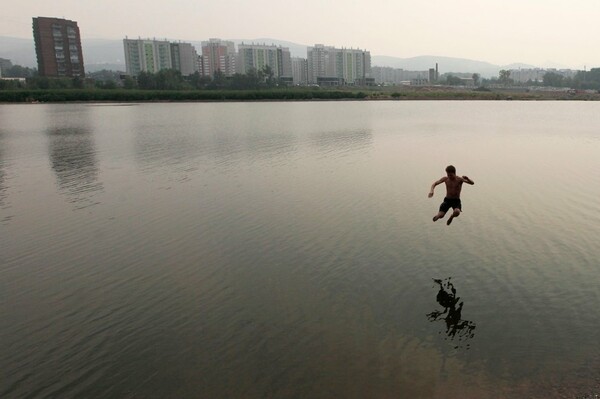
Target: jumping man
(453, 186)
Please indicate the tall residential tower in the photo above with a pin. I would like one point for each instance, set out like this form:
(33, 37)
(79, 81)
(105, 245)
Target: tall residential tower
(58, 47)
(333, 66)
(258, 56)
(146, 56)
(149, 55)
(218, 55)
(184, 58)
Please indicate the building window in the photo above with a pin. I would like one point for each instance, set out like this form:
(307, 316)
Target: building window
(71, 32)
(56, 31)
(61, 68)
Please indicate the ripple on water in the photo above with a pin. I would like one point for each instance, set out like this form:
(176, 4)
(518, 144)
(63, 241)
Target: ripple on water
(296, 262)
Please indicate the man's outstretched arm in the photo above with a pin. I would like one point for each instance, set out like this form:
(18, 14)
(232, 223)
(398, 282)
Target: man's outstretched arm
(467, 180)
(435, 183)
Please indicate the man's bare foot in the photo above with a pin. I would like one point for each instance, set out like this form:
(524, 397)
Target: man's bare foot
(449, 220)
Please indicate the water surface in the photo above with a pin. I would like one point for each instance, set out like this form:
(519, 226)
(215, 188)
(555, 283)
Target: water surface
(287, 250)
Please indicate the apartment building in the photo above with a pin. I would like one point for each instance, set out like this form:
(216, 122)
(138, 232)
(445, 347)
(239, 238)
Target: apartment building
(184, 58)
(218, 55)
(331, 66)
(150, 55)
(58, 47)
(299, 71)
(258, 56)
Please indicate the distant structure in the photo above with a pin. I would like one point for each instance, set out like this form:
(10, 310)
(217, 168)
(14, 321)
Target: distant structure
(218, 55)
(146, 56)
(536, 75)
(184, 58)
(5, 65)
(258, 56)
(468, 82)
(431, 75)
(150, 55)
(396, 76)
(299, 71)
(58, 47)
(526, 75)
(330, 66)
(434, 74)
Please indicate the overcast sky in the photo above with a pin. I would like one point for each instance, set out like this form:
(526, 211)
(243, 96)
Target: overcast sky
(538, 32)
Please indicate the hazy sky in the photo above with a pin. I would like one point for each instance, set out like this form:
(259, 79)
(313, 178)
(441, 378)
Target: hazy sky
(536, 32)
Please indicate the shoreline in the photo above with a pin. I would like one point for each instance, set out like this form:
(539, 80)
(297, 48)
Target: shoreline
(21, 96)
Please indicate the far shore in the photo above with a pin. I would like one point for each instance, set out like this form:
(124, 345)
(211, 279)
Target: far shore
(291, 94)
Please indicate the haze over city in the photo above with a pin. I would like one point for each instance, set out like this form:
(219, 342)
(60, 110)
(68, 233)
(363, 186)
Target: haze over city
(548, 33)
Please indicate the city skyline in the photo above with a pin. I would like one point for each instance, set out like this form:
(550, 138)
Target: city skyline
(534, 32)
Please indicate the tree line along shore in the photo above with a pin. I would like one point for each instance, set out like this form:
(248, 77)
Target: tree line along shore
(169, 85)
(262, 85)
(279, 94)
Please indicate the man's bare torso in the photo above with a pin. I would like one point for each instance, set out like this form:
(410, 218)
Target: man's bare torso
(453, 187)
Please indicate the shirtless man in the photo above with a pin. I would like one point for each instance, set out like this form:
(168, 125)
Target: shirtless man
(453, 186)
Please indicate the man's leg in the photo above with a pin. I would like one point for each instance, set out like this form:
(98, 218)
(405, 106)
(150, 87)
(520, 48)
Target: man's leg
(455, 214)
(440, 215)
(444, 207)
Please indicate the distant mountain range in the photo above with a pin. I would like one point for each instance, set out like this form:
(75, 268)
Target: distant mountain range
(108, 54)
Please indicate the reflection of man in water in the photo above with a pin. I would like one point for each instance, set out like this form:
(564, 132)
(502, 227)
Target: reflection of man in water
(447, 298)
(452, 200)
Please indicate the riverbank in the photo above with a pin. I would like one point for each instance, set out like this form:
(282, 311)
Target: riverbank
(291, 94)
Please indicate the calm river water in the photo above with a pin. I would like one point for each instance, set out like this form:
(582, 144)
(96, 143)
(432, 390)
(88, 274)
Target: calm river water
(286, 250)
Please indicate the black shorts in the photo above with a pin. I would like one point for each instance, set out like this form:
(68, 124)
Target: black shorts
(448, 203)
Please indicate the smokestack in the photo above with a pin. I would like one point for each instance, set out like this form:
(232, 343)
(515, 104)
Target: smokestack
(437, 73)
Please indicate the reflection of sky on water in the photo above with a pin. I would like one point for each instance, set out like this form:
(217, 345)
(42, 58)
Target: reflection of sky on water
(72, 154)
(3, 177)
(278, 275)
(161, 146)
(238, 134)
(342, 141)
(2, 172)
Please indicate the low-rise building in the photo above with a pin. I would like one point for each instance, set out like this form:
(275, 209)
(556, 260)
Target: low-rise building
(469, 82)
(536, 75)
(5, 65)
(397, 76)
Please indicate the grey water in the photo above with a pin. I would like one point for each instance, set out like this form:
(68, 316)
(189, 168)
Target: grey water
(287, 250)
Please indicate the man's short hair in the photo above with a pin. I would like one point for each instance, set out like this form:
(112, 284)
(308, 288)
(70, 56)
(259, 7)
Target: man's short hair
(450, 169)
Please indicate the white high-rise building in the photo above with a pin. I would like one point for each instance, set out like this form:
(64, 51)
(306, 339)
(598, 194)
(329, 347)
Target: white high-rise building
(299, 71)
(149, 55)
(258, 56)
(145, 55)
(338, 66)
(184, 58)
(321, 62)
